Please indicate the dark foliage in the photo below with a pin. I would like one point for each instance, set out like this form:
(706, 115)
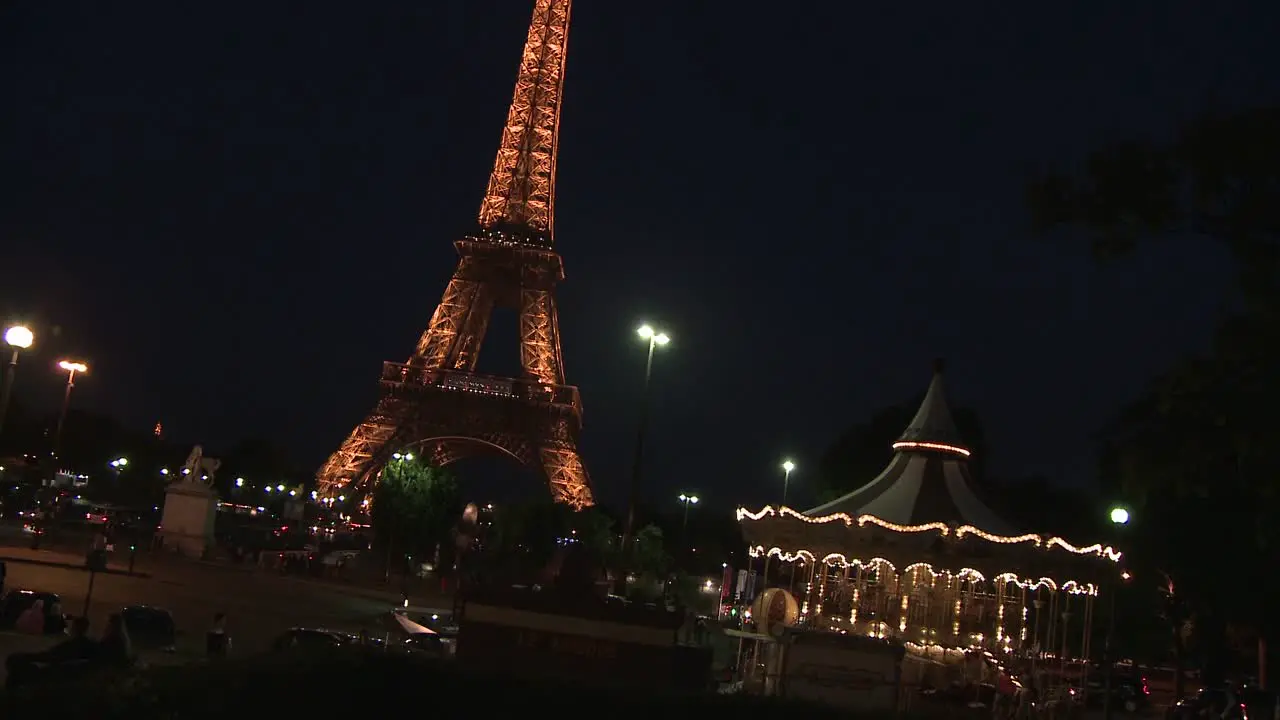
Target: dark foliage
(348, 684)
(1195, 454)
(415, 505)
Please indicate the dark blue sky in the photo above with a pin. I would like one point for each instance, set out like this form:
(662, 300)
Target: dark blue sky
(236, 211)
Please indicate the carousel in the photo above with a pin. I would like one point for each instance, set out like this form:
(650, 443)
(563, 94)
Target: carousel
(915, 557)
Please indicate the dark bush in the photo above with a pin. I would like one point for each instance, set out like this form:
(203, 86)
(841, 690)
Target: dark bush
(340, 683)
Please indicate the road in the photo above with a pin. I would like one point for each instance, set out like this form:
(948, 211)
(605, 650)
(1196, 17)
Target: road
(259, 604)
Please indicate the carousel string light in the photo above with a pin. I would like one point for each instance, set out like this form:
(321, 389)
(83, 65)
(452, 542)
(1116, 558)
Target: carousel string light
(943, 529)
(909, 445)
(1072, 587)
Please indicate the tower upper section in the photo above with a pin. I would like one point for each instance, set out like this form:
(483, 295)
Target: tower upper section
(520, 199)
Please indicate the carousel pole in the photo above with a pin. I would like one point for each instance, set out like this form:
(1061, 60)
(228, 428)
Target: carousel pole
(822, 591)
(844, 582)
(1086, 647)
(1106, 653)
(1038, 604)
(1066, 628)
(1022, 620)
(856, 601)
(808, 590)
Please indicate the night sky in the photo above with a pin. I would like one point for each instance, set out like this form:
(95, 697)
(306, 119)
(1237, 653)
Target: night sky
(236, 211)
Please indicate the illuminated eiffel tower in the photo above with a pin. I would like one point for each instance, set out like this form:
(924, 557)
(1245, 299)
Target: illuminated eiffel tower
(436, 404)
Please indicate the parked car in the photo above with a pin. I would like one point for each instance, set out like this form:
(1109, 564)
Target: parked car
(319, 638)
(1225, 703)
(433, 644)
(150, 628)
(1130, 692)
(17, 602)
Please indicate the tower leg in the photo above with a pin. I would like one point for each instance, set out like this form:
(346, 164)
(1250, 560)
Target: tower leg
(466, 348)
(540, 337)
(566, 475)
(352, 458)
(438, 343)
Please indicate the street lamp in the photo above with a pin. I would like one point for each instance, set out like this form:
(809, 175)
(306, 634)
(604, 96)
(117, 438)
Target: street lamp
(117, 466)
(72, 368)
(787, 467)
(687, 500)
(19, 338)
(655, 339)
(1119, 517)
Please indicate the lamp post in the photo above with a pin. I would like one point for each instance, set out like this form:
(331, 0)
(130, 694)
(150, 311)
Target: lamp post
(117, 466)
(655, 339)
(687, 500)
(19, 338)
(391, 528)
(1119, 517)
(72, 368)
(787, 467)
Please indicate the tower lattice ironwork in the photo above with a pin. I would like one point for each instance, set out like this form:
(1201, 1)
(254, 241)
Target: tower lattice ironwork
(436, 403)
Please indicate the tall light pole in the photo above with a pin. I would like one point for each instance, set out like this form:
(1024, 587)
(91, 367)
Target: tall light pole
(787, 467)
(18, 338)
(72, 368)
(1119, 517)
(655, 339)
(687, 500)
(117, 466)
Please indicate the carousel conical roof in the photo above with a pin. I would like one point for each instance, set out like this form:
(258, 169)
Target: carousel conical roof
(927, 481)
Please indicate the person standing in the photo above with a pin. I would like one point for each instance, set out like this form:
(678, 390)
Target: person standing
(116, 648)
(218, 642)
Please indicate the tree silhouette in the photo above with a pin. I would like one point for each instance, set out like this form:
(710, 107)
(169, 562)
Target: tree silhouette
(414, 507)
(1194, 453)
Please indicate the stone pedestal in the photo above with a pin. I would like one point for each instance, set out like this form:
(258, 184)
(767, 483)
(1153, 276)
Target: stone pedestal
(186, 525)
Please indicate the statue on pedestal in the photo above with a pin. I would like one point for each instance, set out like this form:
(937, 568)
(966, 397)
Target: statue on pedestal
(198, 468)
(190, 504)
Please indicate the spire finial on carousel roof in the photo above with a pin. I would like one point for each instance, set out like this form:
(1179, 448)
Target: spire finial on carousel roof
(932, 428)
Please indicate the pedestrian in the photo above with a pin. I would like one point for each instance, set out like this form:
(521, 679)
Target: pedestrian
(218, 642)
(116, 648)
(31, 621)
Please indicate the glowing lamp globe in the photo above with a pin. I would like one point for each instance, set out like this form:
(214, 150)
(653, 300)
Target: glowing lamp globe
(1119, 516)
(19, 337)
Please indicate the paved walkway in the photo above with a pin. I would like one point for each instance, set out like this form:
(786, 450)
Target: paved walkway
(57, 558)
(148, 564)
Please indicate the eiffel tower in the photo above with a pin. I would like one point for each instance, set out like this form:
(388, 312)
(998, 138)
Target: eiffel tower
(436, 404)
